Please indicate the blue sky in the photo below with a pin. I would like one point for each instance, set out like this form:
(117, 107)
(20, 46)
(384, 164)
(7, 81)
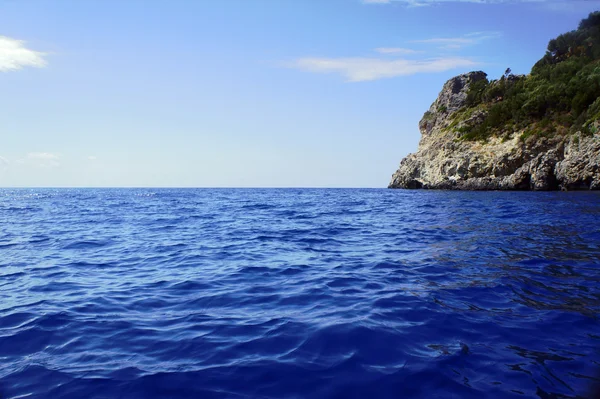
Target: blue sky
(262, 93)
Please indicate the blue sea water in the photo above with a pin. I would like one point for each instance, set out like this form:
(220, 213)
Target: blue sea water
(298, 293)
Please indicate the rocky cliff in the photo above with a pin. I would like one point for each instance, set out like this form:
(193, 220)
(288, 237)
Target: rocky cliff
(508, 161)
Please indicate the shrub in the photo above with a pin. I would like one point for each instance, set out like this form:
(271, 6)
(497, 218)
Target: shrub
(562, 91)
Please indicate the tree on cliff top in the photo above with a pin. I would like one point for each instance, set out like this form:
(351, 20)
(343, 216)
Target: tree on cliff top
(561, 95)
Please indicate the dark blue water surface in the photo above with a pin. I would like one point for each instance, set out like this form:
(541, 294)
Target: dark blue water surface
(294, 293)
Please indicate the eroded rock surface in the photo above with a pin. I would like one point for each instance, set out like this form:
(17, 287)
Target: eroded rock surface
(444, 161)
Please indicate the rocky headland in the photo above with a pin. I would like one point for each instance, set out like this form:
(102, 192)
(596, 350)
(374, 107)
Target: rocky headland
(534, 132)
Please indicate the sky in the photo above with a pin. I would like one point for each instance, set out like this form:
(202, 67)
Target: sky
(242, 93)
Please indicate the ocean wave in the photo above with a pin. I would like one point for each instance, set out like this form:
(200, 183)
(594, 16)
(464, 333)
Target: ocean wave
(298, 293)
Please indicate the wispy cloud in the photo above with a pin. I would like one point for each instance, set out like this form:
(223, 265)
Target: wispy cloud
(42, 155)
(92, 157)
(356, 69)
(396, 50)
(3, 163)
(14, 55)
(42, 159)
(455, 43)
(410, 3)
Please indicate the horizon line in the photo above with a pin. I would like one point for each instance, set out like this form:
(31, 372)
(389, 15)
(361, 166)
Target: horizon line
(186, 187)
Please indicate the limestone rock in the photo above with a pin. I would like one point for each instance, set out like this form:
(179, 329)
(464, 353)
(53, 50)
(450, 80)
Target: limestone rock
(442, 161)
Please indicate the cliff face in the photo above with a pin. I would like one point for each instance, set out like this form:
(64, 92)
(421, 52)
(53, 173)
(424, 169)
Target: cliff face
(444, 160)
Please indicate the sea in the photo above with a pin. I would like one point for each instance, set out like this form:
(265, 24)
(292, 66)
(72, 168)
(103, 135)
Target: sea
(298, 293)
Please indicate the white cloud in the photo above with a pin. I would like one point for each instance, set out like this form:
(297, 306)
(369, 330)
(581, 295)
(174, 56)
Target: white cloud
(92, 157)
(456, 43)
(3, 163)
(447, 40)
(14, 55)
(358, 69)
(43, 159)
(42, 155)
(376, 1)
(451, 46)
(395, 50)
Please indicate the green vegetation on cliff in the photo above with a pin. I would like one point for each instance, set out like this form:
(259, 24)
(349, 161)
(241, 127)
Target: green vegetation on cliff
(561, 95)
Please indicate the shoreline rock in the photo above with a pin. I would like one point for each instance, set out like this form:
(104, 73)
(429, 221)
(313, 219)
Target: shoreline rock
(444, 161)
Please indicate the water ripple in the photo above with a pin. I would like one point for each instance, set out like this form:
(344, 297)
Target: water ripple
(253, 293)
